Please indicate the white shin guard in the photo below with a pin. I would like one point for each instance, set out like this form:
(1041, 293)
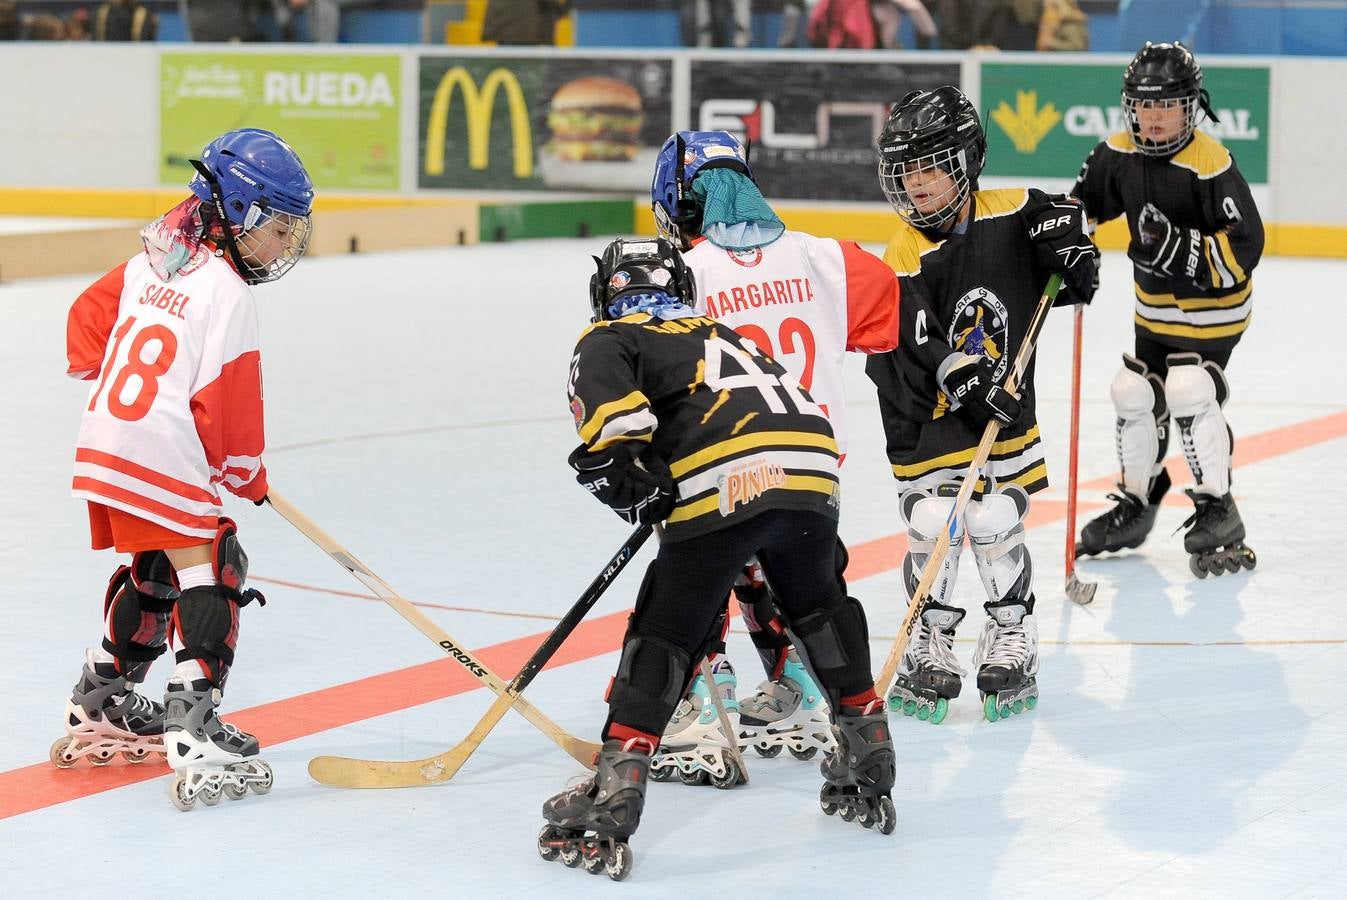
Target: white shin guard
(927, 514)
(996, 532)
(1196, 391)
(1139, 399)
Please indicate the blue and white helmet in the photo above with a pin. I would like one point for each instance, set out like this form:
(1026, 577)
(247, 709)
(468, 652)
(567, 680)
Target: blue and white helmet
(683, 155)
(257, 183)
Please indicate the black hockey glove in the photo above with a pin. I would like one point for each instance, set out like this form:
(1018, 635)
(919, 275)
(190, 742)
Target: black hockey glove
(639, 496)
(1173, 251)
(968, 381)
(1061, 239)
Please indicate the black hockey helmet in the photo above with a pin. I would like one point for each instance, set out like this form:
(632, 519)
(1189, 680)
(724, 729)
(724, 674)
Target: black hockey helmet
(652, 266)
(1163, 75)
(937, 128)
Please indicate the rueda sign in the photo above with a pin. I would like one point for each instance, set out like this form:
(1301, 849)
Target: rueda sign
(1043, 120)
(339, 112)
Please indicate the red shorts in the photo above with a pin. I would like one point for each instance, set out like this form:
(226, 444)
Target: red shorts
(125, 533)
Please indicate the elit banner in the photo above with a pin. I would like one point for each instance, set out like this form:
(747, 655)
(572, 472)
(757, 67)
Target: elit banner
(339, 112)
(528, 123)
(812, 125)
(1042, 121)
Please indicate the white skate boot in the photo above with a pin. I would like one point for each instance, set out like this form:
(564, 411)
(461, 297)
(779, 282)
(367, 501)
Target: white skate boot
(211, 758)
(790, 712)
(694, 746)
(105, 716)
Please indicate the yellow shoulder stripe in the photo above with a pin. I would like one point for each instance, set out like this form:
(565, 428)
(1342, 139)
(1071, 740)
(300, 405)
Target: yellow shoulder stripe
(1205, 156)
(1122, 142)
(994, 204)
(905, 250)
(612, 408)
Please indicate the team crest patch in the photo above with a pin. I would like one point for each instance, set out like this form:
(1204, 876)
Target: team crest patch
(746, 258)
(746, 483)
(578, 410)
(980, 327)
(661, 277)
(619, 280)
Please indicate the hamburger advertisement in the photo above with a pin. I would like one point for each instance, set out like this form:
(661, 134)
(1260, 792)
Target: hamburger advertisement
(577, 123)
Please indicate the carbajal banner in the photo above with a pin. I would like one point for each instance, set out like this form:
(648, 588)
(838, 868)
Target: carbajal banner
(1042, 121)
(812, 125)
(587, 123)
(339, 112)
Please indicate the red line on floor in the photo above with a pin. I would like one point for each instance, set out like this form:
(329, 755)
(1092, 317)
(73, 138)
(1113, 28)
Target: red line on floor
(38, 786)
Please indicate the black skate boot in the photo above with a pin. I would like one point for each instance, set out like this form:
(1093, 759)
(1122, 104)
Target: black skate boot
(1127, 524)
(1007, 659)
(860, 773)
(591, 822)
(930, 675)
(105, 716)
(1215, 537)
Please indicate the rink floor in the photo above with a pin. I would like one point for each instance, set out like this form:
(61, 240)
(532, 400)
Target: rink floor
(1190, 740)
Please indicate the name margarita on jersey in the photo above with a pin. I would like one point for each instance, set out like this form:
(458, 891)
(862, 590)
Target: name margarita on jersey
(753, 296)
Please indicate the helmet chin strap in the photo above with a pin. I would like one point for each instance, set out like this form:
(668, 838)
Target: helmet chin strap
(217, 198)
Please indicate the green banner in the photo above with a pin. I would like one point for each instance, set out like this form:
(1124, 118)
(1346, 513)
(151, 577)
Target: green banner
(339, 112)
(1042, 121)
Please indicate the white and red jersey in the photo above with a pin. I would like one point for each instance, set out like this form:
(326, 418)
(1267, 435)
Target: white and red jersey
(176, 403)
(805, 301)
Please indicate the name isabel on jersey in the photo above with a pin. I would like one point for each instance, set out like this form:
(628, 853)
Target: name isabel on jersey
(760, 294)
(161, 297)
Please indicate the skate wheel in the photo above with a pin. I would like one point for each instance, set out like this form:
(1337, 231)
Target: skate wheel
(570, 856)
(211, 794)
(177, 793)
(235, 791)
(941, 710)
(804, 755)
(864, 819)
(101, 758)
(263, 785)
(1030, 702)
(769, 752)
(59, 759)
(1248, 559)
(848, 813)
(910, 708)
(895, 704)
(888, 816)
(592, 859)
(664, 773)
(924, 713)
(1198, 567)
(1017, 707)
(696, 777)
(136, 756)
(546, 847)
(619, 862)
(989, 708)
(731, 778)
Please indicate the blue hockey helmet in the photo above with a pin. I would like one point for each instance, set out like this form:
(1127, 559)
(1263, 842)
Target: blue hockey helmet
(250, 178)
(683, 155)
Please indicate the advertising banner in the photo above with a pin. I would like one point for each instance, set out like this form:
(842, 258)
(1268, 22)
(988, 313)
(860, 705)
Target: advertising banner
(813, 125)
(1042, 121)
(339, 112)
(529, 123)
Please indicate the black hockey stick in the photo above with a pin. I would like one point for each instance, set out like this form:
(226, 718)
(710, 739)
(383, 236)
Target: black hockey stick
(360, 773)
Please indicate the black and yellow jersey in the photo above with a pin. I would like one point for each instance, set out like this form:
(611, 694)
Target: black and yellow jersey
(738, 433)
(974, 293)
(1206, 303)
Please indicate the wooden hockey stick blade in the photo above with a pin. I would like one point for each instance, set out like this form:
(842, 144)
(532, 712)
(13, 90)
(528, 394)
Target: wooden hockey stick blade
(936, 560)
(581, 751)
(1081, 592)
(733, 736)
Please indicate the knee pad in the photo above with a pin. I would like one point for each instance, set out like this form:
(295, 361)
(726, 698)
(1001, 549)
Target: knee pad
(996, 533)
(1143, 418)
(765, 627)
(231, 563)
(207, 623)
(651, 677)
(136, 611)
(1196, 391)
(926, 515)
(834, 644)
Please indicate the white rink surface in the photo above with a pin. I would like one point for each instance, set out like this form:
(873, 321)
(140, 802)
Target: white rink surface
(1190, 740)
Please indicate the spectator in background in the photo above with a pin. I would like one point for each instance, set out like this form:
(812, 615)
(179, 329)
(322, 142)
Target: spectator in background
(523, 21)
(794, 14)
(9, 20)
(310, 21)
(888, 16)
(842, 24)
(988, 24)
(125, 20)
(220, 21)
(717, 23)
(44, 27)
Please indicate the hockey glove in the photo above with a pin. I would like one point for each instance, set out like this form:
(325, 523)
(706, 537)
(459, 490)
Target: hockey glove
(1060, 237)
(612, 475)
(1173, 251)
(969, 381)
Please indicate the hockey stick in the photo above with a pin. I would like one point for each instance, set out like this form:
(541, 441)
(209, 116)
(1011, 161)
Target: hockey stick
(340, 772)
(731, 734)
(441, 768)
(1081, 592)
(937, 558)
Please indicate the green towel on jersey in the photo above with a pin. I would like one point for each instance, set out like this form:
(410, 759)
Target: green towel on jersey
(734, 214)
